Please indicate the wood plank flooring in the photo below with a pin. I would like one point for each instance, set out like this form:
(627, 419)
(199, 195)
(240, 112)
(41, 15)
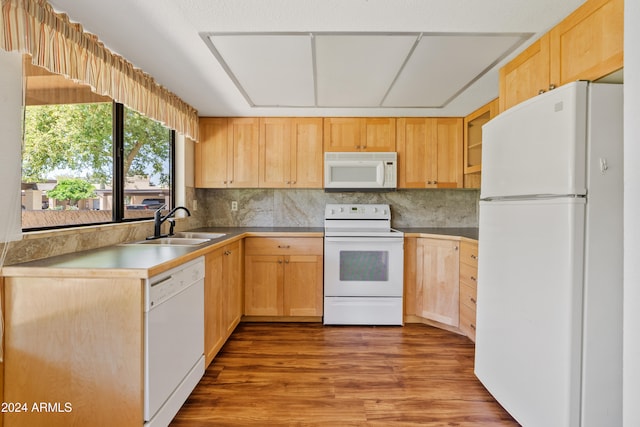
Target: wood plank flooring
(306, 374)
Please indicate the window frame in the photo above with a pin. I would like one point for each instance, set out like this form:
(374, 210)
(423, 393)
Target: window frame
(118, 208)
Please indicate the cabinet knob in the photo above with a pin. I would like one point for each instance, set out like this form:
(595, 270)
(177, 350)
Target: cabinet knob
(552, 86)
(224, 182)
(541, 91)
(472, 326)
(279, 261)
(473, 256)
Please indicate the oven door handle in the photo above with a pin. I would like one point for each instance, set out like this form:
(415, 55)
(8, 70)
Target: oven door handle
(363, 239)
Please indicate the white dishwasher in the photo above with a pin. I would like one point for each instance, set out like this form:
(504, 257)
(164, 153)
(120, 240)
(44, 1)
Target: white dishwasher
(174, 340)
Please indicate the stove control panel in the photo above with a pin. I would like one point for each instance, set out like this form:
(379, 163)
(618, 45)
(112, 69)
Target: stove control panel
(357, 211)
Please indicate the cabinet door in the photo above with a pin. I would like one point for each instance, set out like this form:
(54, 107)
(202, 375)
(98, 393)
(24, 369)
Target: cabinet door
(589, 43)
(263, 289)
(243, 152)
(214, 328)
(437, 294)
(417, 153)
(211, 154)
(232, 308)
(303, 285)
(526, 75)
(449, 138)
(306, 153)
(379, 134)
(472, 151)
(275, 152)
(343, 134)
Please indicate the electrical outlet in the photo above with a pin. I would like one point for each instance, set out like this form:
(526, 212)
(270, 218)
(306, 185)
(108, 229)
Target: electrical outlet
(234, 206)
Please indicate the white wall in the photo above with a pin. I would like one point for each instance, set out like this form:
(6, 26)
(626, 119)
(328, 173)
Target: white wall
(10, 146)
(631, 375)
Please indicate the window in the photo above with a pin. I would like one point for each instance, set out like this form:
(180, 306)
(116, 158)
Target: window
(86, 159)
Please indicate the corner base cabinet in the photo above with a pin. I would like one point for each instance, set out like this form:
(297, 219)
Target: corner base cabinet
(283, 277)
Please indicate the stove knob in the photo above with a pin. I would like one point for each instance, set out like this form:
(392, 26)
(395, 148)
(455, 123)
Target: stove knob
(375, 210)
(341, 210)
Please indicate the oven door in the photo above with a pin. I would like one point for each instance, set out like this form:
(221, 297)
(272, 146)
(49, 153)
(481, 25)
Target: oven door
(363, 266)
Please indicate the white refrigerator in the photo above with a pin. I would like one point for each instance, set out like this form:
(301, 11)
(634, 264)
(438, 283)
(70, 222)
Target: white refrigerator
(549, 305)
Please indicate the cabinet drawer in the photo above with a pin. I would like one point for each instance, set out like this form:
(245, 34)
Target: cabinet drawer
(283, 245)
(468, 322)
(469, 253)
(468, 296)
(468, 274)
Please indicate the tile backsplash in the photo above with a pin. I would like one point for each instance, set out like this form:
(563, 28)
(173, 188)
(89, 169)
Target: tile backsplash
(305, 208)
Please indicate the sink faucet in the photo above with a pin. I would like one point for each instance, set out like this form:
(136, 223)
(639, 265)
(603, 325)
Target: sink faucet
(158, 219)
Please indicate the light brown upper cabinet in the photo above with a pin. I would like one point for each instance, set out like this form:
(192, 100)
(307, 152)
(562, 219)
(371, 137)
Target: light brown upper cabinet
(429, 152)
(526, 75)
(227, 154)
(586, 45)
(473, 137)
(359, 134)
(290, 152)
(589, 43)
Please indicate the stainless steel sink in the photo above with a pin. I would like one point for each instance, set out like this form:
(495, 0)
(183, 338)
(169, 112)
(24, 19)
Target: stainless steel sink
(173, 241)
(198, 235)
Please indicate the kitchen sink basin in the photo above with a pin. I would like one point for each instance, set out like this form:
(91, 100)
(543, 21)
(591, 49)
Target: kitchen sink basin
(173, 241)
(198, 235)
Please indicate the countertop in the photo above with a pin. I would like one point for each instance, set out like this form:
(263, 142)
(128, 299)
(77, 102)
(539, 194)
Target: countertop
(469, 233)
(144, 261)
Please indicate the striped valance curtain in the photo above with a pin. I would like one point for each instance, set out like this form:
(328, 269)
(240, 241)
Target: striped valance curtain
(62, 47)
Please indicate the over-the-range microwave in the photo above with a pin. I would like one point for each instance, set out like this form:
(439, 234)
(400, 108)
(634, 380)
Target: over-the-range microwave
(360, 171)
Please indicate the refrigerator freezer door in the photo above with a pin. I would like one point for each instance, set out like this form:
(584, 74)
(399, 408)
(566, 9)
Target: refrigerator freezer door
(529, 309)
(537, 147)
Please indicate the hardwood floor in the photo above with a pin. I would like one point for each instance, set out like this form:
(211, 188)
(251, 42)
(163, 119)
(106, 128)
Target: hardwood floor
(306, 374)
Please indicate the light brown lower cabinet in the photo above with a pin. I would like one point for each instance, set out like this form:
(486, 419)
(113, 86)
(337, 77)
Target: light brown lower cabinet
(440, 283)
(437, 284)
(222, 297)
(283, 276)
(468, 287)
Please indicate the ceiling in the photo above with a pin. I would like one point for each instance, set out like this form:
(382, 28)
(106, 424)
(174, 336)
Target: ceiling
(321, 57)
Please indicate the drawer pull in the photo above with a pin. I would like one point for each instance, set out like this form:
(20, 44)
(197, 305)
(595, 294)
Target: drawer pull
(473, 300)
(474, 278)
(473, 256)
(472, 326)
(284, 246)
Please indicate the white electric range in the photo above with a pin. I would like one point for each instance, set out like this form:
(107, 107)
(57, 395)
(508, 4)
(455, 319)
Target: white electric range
(363, 266)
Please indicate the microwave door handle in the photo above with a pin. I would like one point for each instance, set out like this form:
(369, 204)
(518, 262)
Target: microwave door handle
(380, 174)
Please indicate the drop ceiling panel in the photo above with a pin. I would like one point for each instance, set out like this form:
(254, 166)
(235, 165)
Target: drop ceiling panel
(357, 70)
(270, 69)
(442, 66)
